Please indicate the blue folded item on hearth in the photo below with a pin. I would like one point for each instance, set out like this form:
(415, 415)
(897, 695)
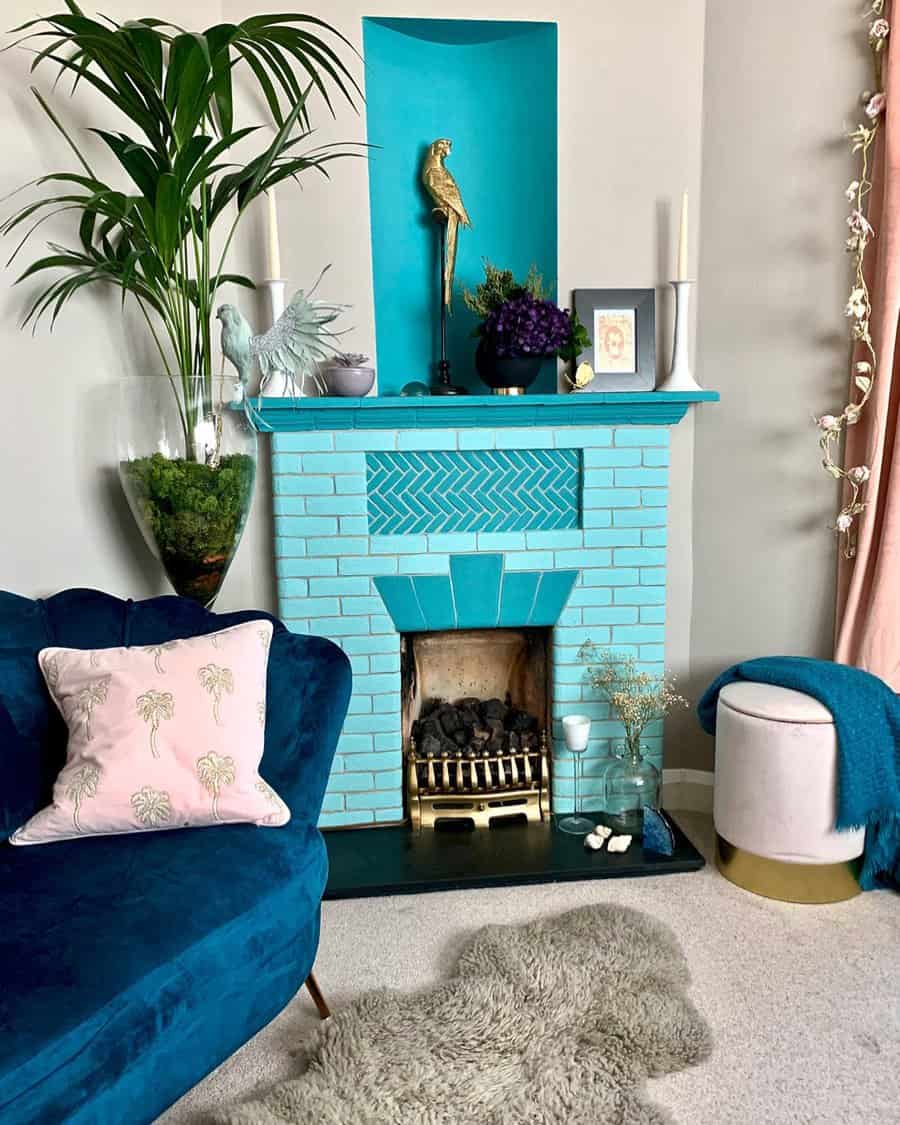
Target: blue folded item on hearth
(657, 835)
(866, 716)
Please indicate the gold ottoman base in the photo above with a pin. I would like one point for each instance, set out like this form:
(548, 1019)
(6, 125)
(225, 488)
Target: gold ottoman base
(787, 882)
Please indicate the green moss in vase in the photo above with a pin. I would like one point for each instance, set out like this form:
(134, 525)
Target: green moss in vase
(196, 513)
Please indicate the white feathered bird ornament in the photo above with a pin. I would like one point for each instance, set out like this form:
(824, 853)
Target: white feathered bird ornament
(295, 344)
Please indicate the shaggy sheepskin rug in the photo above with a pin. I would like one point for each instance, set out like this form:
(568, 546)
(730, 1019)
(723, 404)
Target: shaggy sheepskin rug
(557, 1022)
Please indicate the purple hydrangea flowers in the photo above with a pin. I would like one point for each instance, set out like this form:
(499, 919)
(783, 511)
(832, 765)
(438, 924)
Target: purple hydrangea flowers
(525, 326)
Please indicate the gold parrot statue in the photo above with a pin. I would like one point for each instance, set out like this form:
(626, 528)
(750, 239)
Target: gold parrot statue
(443, 189)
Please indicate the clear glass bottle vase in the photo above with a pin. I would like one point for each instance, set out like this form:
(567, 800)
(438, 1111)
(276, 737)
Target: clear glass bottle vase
(632, 784)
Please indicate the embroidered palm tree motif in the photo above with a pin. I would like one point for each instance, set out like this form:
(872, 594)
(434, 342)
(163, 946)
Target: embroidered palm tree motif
(156, 651)
(268, 792)
(215, 772)
(151, 806)
(215, 679)
(51, 672)
(265, 638)
(87, 698)
(153, 707)
(272, 798)
(261, 712)
(83, 783)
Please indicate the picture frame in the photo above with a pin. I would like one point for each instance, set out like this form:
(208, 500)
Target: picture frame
(622, 326)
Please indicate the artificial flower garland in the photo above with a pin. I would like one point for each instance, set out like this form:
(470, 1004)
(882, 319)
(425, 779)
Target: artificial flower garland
(859, 306)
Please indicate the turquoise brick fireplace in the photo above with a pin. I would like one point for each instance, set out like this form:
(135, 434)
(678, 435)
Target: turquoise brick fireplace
(382, 530)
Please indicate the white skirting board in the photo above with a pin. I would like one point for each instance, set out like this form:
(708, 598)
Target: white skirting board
(689, 790)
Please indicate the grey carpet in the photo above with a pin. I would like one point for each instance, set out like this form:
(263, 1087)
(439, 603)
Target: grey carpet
(557, 1021)
(805, 1028)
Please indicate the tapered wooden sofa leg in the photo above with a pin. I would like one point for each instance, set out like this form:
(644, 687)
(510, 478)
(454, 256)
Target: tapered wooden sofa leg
(317, 998)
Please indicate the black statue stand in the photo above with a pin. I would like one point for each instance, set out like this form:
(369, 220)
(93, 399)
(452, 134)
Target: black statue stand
(444, 387)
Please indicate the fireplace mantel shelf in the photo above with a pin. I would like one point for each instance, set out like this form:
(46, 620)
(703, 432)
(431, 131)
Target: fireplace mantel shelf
(649, 408)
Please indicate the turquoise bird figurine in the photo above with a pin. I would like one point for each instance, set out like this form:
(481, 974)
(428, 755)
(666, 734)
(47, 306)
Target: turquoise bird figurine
(236, 337)
(296, 342)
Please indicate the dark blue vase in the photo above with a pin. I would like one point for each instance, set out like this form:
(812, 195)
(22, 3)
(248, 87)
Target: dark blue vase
(506, 375)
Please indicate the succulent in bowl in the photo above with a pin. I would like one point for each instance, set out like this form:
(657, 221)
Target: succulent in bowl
(348, 375)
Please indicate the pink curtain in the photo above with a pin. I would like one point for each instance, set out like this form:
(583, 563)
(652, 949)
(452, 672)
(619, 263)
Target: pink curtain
(868, 603)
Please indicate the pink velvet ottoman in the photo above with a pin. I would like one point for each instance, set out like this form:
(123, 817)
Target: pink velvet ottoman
(775, 797)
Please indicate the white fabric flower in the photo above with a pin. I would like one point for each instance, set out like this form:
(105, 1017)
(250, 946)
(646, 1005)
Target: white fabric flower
(860, 474)
(857, 306)
(879, 30)
(859, 224)
(844, 522)
(852, 190)
(828, 422)
(876, 106)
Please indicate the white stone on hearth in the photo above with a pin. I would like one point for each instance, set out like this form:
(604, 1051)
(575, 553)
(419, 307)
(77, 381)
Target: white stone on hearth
(619, 844)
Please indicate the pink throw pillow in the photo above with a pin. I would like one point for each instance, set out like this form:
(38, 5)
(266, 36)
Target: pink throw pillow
(162, 736)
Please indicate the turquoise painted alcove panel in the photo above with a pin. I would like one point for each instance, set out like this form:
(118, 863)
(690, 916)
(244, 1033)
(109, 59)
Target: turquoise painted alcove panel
(490, 86)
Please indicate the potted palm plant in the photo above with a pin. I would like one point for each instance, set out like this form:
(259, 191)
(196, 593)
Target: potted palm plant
(160, 233)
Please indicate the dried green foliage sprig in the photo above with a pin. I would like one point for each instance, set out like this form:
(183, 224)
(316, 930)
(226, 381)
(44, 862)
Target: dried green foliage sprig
(832, 427)
(498, 286)
(635, 697)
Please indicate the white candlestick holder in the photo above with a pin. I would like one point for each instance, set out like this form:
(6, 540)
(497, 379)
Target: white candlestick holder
(680, 377)
(280, 384)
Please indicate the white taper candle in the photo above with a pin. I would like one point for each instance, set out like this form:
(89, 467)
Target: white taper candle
(274, 249)
(682, 271)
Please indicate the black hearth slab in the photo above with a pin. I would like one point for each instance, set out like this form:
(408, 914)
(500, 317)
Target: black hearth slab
(367, 862)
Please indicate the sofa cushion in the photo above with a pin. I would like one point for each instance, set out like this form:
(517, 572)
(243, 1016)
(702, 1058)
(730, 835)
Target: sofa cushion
(112, 949)
(32, 739)
(307, 691)
(160, 737)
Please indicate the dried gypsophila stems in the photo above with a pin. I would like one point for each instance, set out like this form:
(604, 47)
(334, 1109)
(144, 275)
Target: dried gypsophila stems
(859, 307)
(635, 697)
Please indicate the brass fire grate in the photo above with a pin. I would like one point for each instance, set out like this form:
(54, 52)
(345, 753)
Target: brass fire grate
(480, 786)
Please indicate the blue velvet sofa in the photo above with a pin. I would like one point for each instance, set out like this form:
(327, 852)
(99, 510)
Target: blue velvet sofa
(130, 966)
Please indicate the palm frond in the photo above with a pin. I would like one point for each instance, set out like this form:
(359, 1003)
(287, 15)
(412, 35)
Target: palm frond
(151, 236)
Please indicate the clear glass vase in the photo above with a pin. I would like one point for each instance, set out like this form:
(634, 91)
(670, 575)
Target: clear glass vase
(632, 784)
(187, 463)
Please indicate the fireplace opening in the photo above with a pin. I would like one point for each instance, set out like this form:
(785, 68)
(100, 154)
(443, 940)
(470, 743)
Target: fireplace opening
(475, 706)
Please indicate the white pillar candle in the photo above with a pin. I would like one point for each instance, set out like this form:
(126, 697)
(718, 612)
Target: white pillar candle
(682, 271)
(274, 250)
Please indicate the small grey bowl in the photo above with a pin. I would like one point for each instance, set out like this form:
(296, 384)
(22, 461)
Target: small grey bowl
(349, 382)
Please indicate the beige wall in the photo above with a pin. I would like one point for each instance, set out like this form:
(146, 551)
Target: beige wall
(781, 82)
(751, 569)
